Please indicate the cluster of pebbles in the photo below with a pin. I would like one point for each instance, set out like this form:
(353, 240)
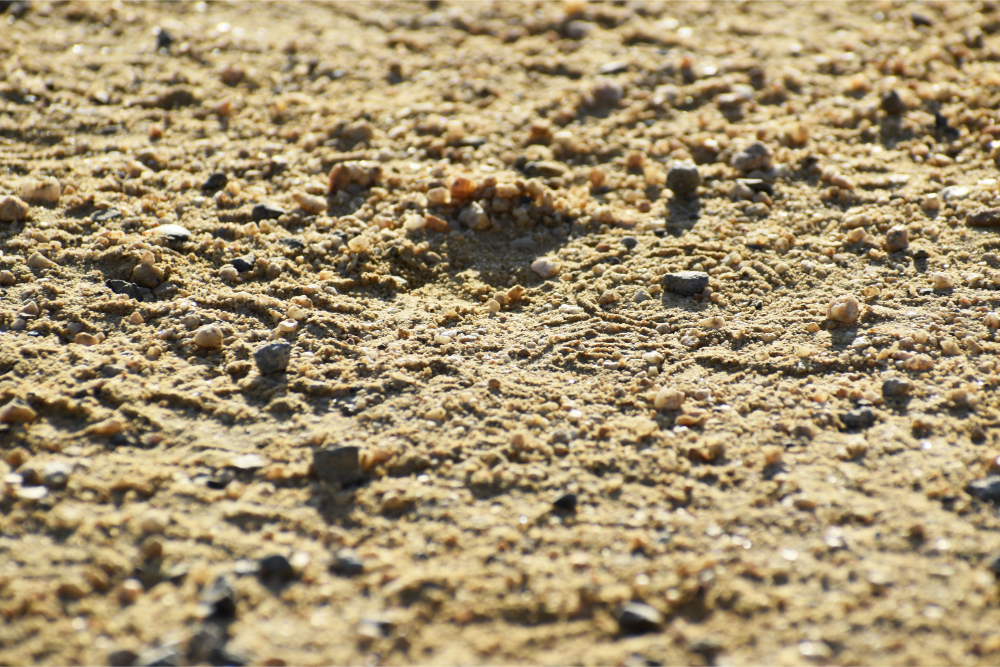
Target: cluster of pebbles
(442, 332)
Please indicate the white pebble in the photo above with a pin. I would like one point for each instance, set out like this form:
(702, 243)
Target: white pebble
(546, 268)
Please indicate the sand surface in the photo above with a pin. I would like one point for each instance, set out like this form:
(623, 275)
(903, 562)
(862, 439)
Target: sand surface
(504, 426)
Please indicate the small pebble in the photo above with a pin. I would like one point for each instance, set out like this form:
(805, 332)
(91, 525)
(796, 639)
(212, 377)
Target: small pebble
(45, 190)
(607, 93)
(987, 490)
(755, 156)
(683, 179)
(244, 264)
(216, 181)
(897, 239)
(629, 242)
(265, 212)
(16, 412)
(174, 233)
(347, 563)
(942, 281)
(989, 217)
(107, 215)
(668, 399)
(896, 387)
(275, 570)
(40, 261)
(844, 309)
(13, 209)
(893, 104)
(640, 296)
(310, 203)
(273, 357)
(338, 464)
(685, 283)
(546, 268)
(147, 276)
(639, 618)
(220, 598)
(566, 502)
(208, 336)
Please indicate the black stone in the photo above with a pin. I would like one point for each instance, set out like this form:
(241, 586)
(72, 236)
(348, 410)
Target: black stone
(986, 489)
(244, 264)
(858, 419)
(994, 567)
(685, 283)
(221, 479)
(921, 20)
(220, 598)
(757, 185)
(566, 502)
(275, 570)
(347, 563)
(629, 242)
(639, 618)
(123, 287)
(216, 181)
(273, 357)
(266, 212)
(338, 464)
(107, 215)
(163, 39)
(893, 104)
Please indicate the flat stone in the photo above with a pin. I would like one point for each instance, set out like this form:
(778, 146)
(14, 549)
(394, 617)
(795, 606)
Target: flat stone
(989, 217)
(220, 598)
(249, 462)
(858, 419)
(638, 618)
(266, 212)
(986, 489)
(347, 563)
(273, 357)
(685, 283)
(338, 464)
(566, 502)
(216, 181)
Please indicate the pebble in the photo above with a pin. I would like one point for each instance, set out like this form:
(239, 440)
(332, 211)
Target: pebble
(338, 464)
(216, 181)
(546, 268)
(941, 280)
(122, 287)
(208, 336)
(55, 474)
(220, 599)
(249, 462)
(275, 570)
(347, 563)
(844, 309)
(994, 567)
(638, 618)
(273, 357)
(147, 275)
(954, 193)
(629, 242)
(566, 502)
(107, 215)
(987, 489)
(607, 93)
(668, 399)
(122, 658)
(310, 203)
(893, 104)
(40, 261)
(13, 209)
(174, 233)
(16, 412)
(755, 156)
(640, 296)
(244, 264)
(858, 419)
(896, 239)
(683, 179)
(265, 212)
(989, 217)
(45, 190)
(163, 39)
(896, 387)
(165, 656)
(685, 283)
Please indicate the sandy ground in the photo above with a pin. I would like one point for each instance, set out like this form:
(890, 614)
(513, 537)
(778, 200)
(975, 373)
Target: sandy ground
(414, 374)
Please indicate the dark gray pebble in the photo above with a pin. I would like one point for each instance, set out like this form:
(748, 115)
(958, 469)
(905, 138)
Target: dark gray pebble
(220, 598)
(893, 104)
(107, 215)
(216, 181)
(755, 156)
(896, 387)
(265, 212)
(122, 658)
(683, 179)
(163, 39)
(638, 618)
(685, 283)
(566, 502)
(273, 357)
(56, 474)
(858, 419)
(338, 464)
(244, 264)
(347, 563)
(629, 242)
(275, 569)
(987, 489)
(123, 287)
